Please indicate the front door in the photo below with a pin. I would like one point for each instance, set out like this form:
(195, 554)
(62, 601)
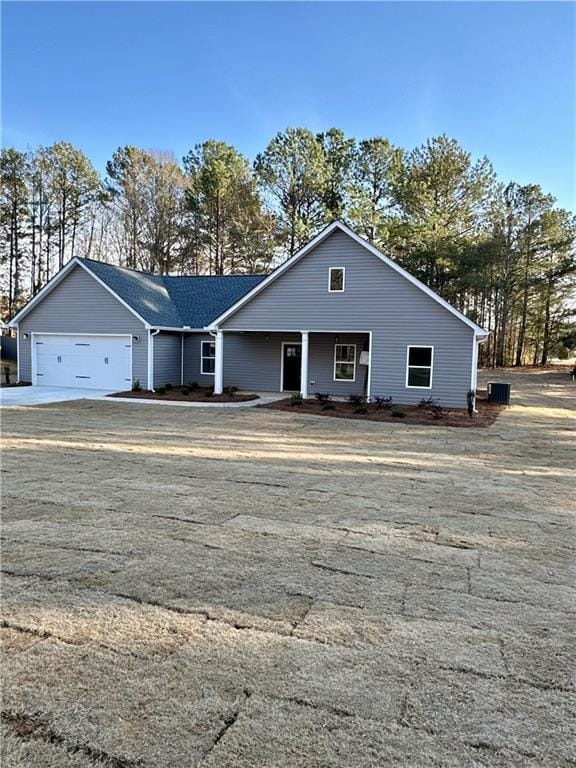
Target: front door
(291, 364)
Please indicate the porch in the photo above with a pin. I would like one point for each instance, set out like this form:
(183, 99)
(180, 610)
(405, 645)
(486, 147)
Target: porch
(304, 361)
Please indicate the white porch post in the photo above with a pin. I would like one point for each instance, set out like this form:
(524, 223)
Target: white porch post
(219, 363)
(304, 366)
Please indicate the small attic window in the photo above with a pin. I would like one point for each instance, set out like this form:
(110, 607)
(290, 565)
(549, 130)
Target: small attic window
(336, 277)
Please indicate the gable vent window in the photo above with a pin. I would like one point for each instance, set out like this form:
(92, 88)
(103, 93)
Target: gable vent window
(336, 277)
(419, 362)
(208, 357)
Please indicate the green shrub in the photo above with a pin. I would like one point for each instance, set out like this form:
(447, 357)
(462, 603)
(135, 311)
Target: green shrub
(192, 385)
(296, 399)
(328, 406)
(209, 392)
(161, 390)
(136, 386)
(185, 391)
(361, 408)
(398, 413)
(167, 387)
(230, 391)
(323, 397)
(356, 400)
(381, 402)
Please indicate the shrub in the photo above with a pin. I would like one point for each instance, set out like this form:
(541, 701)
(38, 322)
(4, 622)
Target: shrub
(398, 413)
(231, 391)
(296, 399)
(328, 406)
(209, 392)
(323, 397)
(167, 387)
(161, 391)
(136, 386)
(356, 399)
(429, 405)
(192, 385)
(382, 402)
(185, 391)
(361, 408)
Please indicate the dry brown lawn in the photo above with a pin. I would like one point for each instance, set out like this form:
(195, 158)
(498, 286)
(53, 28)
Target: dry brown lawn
(253, 589)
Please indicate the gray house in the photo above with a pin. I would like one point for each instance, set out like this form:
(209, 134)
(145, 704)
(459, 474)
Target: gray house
(339, 316)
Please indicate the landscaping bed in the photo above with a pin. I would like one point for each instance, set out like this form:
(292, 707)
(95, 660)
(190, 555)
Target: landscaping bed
(411, 414)
(16, 384)
(188, 394)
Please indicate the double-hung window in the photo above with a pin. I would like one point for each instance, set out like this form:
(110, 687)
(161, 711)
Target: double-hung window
(345, 362)
(207, 357)
(419, 363)
(336, 278)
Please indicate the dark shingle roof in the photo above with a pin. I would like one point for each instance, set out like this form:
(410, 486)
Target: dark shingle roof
(174, 301)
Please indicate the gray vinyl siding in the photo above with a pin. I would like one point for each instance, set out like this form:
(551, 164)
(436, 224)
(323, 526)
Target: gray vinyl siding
(79, 304)
(167, 358)
(377, 299)
(192, 360)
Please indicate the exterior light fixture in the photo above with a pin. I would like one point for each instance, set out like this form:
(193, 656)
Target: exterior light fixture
(135, 339)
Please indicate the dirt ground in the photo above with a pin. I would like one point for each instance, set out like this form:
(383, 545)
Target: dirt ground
(255, 589)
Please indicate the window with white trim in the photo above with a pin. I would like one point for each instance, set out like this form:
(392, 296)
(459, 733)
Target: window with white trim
(336, 276)
(419, 361)
(208, 357)
(344, 362)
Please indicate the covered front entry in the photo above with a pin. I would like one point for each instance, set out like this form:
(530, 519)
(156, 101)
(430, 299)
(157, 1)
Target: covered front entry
(89, 362)
(291, 366)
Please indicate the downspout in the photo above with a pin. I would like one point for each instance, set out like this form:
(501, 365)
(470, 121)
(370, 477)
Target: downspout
(151, 335)
(18, 354)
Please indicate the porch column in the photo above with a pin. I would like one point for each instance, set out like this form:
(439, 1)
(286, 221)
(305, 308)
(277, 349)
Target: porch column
(304, 366)
(219, 363)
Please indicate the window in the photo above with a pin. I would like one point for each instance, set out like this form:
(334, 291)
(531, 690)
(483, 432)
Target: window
(419, 367)
(345, 362)
(336, 280)
(208, 357)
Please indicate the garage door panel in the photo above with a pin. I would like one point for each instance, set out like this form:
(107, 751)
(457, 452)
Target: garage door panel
(91, 362)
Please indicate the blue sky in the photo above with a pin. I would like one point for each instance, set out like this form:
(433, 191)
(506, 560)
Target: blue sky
(499, 77)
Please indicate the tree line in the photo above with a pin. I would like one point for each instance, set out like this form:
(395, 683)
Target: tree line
(502, 253)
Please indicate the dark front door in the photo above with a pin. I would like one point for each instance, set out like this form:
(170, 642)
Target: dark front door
(291, 361)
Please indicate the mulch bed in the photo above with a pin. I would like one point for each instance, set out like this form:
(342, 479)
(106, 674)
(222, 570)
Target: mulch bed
(20, 384)
(452, 417)
(202, 394)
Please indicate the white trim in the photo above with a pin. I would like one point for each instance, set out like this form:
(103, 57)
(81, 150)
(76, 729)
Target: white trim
(207, 357)
(344, 362)
(478, 331)
(150, 372)
(34, 364)
(282, 345)
(18, 354)
(219, 364)
(336, 290)
(182, 360)
(474, 375)
(57, 279)
(369, 378)
(431, 366)
(304, 359)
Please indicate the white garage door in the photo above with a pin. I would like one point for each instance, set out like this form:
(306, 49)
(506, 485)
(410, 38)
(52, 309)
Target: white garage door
(93, 362)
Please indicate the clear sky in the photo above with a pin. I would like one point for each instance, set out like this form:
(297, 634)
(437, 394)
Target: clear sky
(499, 77)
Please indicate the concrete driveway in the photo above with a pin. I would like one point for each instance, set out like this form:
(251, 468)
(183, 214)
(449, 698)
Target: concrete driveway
(19, 396)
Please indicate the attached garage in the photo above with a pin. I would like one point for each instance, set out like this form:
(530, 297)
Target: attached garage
(88, 361)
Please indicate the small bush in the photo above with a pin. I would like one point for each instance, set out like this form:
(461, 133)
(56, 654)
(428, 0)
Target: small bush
(230, 391)
(429, 405)
(356, 399)
(296, 399)
(167, 387)
(161, 391)
(323, 397)
(361, 408)
(209, 392)
(192, 385)
(328, 406)
(398, 413)
(136, 386)
(382, 402)
(185, 391)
